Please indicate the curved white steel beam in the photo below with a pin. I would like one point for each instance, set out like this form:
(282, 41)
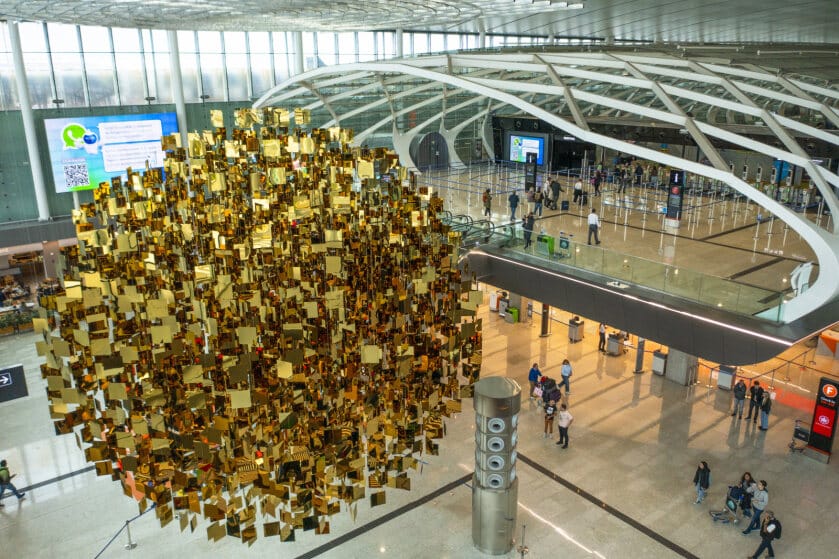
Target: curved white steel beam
(823, 243)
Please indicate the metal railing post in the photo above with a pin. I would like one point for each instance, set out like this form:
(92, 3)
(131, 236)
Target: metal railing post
(130, 545)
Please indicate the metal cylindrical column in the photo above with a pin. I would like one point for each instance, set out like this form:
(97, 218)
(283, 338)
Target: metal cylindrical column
(28, 123)
(497, 402)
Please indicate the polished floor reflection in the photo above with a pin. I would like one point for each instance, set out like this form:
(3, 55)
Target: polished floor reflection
(718, 236)
(635, 443)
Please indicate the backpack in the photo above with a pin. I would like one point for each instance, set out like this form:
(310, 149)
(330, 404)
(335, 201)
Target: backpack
(4, 475)
(776, 534)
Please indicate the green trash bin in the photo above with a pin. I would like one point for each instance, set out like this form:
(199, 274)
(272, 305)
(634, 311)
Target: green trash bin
(545, 245)
(513, 313)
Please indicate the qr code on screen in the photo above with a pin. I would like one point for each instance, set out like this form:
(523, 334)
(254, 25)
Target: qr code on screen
(75, 174)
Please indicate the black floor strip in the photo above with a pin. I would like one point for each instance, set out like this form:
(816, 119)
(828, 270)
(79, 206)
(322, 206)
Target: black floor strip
(361, 530)
(352, 534)
(728, 232)
(57, 479)
(755, 268)
(676, 548)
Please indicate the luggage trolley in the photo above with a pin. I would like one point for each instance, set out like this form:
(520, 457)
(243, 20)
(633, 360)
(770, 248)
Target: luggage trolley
(801, 434)
(733, 500)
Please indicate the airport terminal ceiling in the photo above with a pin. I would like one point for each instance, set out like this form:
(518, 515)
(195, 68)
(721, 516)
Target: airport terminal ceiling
(742, 21)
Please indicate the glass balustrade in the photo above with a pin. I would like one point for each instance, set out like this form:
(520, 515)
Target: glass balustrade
(620, 270)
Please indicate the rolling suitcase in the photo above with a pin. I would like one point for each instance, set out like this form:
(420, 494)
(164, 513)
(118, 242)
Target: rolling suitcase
(565, 205)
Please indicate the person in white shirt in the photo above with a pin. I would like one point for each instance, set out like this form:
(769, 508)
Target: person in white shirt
(565, 420)
(578, 191)
(601, 345)
(593, 226)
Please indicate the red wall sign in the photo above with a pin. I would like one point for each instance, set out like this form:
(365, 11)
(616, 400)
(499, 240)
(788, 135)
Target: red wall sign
(823, 427)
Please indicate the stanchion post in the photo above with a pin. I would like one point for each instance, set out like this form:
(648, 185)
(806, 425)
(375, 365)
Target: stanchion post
(522, 549)
(130, 545)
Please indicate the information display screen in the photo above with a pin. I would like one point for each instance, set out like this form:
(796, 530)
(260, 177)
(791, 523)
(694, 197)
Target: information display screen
(520, 146)
(87, 150)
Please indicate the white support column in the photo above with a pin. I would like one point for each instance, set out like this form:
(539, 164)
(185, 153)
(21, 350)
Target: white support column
(299, 65)
(450, 136)
(482, 33)
(28, 123)
(402, 147)
(177, 83)
(399, 51)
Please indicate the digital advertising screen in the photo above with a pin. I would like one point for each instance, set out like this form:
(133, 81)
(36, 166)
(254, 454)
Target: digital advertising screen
(87, 150)
(520, 146)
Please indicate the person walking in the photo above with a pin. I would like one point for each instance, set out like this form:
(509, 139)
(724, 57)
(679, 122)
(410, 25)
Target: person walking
(593, 226)
(487, 200)
(622, 178)
(529, 224)
(565, 421)
(6, 483)
(739, 399)
(770, 529)
(530, 197)
(759, 501)
(765, 408)
(601, 331)
(513, 200)
(550, 414)
(747, 487)
(556, 188)
(702, 480)
(578, 191)
(755, 396)
(539, 199)
(566, 372)
(533, 378)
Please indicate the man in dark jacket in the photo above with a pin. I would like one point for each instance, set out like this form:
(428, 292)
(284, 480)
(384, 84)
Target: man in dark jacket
(513, 199)
(556, 188)
(529, 224)
(769, 530)
(739, 398)
(756, 394)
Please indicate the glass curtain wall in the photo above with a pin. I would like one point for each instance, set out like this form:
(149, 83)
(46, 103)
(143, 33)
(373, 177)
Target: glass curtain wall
(86, 66)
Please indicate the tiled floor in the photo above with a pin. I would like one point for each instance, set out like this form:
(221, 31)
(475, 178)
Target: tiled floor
(635, 444)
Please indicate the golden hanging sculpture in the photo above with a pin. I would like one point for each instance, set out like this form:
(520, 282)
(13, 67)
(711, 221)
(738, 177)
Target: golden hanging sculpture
(252, 339)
